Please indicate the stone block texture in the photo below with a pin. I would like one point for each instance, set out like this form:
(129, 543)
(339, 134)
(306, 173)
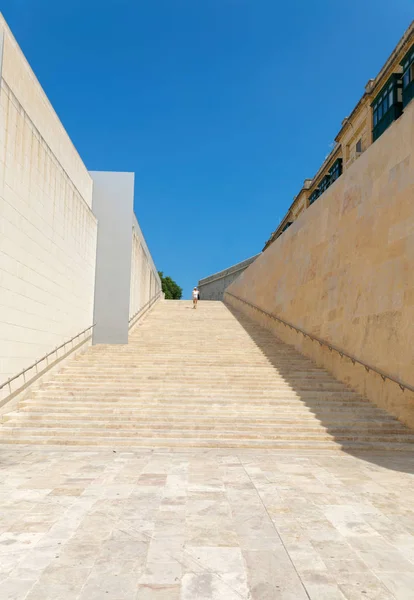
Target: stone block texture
(145, 281)
(47, 229)
(344, 271)
(214, 286)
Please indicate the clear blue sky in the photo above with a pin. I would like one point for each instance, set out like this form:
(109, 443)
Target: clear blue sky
(220, 107)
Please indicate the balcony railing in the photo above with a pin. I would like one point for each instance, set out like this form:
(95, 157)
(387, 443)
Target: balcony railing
(408, 93)
(390, 116)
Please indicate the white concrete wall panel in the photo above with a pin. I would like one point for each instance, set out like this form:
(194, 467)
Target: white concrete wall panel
(113, 200)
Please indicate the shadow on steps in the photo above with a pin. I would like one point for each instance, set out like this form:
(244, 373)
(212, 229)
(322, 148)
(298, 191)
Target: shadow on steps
(349, 418)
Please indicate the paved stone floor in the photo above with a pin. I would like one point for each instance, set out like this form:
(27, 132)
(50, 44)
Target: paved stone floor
(203, 525)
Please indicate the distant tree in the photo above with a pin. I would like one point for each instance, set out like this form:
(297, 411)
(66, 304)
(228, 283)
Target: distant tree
(170, 288)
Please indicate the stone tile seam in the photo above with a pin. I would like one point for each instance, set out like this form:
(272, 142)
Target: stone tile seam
(277, 532)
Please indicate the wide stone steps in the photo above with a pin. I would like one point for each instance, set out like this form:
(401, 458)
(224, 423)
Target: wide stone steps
(207, 378)
(325, 417)
(205, 360)
(252, 381)
(191, 389)
(128, 429)
(181, 399)
(166, 385)
(208, 399)
(268, 408)
(221, 408)
(145, 433)
(275, 445)
(199, 422)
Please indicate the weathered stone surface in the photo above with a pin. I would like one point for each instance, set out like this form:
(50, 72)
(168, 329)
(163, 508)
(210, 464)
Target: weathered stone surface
(279, 540)
(344, 272)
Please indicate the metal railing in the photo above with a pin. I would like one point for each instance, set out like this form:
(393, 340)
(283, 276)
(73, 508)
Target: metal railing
(45, 357)
(72, 339)
(403, 386)
(147, 305)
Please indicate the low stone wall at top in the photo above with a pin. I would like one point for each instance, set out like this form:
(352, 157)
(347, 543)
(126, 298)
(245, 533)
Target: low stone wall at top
(214, 286)
(344, 271)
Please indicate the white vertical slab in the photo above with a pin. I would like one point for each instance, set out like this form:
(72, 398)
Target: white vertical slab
(112, 203)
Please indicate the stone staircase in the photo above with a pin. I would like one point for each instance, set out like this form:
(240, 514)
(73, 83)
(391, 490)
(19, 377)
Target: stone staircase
(200, 378)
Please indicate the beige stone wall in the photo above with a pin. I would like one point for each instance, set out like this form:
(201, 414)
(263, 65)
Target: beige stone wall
(344, 271)
(47, 229)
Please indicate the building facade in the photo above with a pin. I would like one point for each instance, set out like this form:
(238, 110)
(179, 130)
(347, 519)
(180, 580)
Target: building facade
(383, 102)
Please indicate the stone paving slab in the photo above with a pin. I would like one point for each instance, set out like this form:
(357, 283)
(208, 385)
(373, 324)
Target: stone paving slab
(94, 524)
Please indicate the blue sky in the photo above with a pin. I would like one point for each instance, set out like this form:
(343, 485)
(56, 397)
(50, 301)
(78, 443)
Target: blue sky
(221, 107)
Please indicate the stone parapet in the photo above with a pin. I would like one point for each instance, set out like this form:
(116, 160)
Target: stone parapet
(213, 287)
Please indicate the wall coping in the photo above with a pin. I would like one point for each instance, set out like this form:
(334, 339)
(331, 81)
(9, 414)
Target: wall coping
(229, 271)
(136, 227)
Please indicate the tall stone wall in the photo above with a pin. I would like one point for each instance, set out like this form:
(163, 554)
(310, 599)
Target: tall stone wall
(47, 229)
(214, 286)
(145, 281)
(344, 271)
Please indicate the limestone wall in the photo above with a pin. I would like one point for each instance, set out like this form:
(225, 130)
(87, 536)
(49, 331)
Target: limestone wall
(47, 229)
(214, 286)
(145, 281)
(344, 271)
